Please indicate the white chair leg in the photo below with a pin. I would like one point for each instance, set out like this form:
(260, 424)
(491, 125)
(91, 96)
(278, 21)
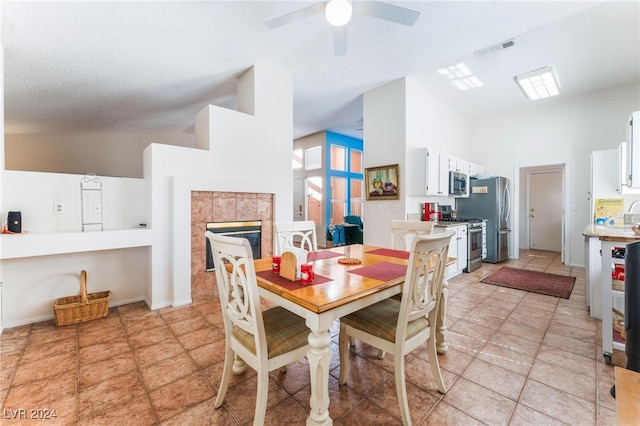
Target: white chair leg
(435, 365)
(261, 398)
(352, 341)
(401, 388)
(381, 354)
(226, 377)
(343, 347)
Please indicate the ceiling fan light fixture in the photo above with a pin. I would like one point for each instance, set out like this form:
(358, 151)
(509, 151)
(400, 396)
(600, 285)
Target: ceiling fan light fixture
(338, 12)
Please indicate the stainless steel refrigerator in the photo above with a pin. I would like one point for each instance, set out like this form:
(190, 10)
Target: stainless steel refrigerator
(489, 199)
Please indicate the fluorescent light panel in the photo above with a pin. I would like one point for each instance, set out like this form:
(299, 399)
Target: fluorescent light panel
(460, 76)
(539, 84)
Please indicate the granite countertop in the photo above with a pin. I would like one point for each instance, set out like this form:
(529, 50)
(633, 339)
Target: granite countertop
(610, 233)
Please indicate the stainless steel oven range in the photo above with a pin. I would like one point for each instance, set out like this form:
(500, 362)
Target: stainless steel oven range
(476, 243)
(476, 237)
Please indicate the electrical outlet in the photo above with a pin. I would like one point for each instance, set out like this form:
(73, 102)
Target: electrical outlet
(59, 207)
(97, 208)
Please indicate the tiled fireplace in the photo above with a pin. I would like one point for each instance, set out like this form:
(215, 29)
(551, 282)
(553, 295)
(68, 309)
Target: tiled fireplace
(213, 206)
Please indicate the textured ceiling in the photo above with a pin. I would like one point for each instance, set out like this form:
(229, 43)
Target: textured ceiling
(149, 67)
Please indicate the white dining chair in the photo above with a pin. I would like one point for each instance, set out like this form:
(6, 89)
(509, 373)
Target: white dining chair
(402, 234)
(300, 233)
(400, 326)
(266, 340)
(404, 231)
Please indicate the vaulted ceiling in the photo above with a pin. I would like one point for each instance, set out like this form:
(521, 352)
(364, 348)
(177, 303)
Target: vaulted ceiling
(149, 67)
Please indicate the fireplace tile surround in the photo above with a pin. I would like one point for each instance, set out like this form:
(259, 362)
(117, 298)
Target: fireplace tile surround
(216, 206)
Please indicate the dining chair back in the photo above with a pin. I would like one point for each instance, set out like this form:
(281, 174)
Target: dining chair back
(265, 340)
(404, 231)
(401, 326)
(299, 233)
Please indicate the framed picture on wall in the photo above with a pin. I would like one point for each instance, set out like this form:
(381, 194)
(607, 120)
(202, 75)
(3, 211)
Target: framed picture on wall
(382, 182)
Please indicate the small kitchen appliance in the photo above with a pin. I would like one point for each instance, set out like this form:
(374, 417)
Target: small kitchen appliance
(432, 212)
(14, 222)
(457, 183)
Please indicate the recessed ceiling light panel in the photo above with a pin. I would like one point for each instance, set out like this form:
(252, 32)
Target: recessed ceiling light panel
(539, 84)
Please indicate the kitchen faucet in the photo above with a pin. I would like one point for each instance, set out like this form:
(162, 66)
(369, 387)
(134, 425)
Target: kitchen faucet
(632, 206)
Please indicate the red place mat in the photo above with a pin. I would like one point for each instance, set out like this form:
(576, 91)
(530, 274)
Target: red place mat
(288, 284)
(324, 254)
(384, 271)
(400, 254)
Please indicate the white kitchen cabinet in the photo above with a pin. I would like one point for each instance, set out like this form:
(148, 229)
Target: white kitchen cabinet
(457, 248)
(430, 175)
(475, 170)
(459, 165)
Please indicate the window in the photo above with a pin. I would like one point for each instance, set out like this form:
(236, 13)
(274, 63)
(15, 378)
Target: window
(338, 199)
(297, 158)
(338, 158)
(314, 199)
(345, 175)
(313, 158)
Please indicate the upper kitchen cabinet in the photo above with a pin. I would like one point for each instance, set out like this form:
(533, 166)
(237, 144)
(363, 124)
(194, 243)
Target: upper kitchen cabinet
(459, 165)
(430, 174)
(475, 170)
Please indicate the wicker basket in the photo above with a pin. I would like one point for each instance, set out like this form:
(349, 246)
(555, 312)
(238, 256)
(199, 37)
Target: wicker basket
(618, 323)
(85, 307)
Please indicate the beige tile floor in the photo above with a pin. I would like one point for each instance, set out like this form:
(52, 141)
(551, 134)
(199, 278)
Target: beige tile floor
(514, 358)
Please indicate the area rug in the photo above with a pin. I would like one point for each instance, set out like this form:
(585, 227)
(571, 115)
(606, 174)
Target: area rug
(535, 282)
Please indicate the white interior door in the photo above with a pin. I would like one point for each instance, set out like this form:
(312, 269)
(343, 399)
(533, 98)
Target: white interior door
(545, 211)
(298, 199)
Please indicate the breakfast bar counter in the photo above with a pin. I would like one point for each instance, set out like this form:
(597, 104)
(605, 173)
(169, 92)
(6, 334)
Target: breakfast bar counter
(611, 233)
(603, 253)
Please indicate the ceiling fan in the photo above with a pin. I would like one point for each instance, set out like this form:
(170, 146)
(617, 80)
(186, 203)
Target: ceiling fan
(338, 14)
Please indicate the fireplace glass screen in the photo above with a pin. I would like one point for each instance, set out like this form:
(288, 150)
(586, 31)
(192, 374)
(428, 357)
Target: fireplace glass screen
(251, 230)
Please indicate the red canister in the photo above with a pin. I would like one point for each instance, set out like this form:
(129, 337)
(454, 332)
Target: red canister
(306, 272)
(275, 264)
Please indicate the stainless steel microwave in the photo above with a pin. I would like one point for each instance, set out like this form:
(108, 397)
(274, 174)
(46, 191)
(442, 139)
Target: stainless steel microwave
(457, 183)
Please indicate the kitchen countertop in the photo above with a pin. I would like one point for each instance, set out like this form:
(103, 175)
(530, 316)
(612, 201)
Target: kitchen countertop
(611, 233)
(447, 224)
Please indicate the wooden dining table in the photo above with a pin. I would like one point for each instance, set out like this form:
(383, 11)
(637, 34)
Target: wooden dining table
(338, 290)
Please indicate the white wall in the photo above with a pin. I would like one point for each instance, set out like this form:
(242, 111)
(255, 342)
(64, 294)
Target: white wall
(124, 201)
(400, 117)
(384, 143)
(239, 152)
(557, 131)
(433, 124)
(101, 154)
(249, 153)
(32, 281)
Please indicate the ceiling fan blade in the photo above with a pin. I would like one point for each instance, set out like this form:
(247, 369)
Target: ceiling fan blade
(386, 11)
(296, 15)
(340, 40)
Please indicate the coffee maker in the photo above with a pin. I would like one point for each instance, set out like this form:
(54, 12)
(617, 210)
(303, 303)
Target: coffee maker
(431, 212)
